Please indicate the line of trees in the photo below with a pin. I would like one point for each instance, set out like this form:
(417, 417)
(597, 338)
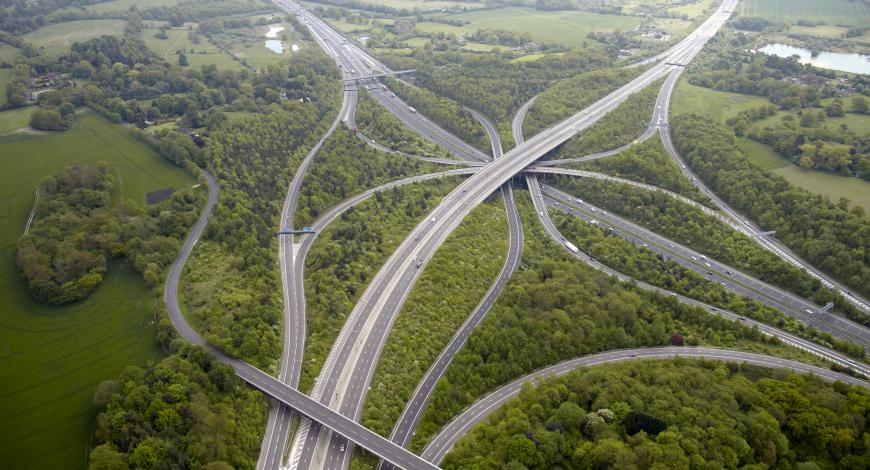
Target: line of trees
(385, 128)
(662, 414)
(650, 267)
(828, 235)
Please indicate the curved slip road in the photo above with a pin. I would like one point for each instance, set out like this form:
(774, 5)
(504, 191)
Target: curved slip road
(293, 344)
(729, 277)
(272, 387)
(416, 404)
(771, 244)
(456, 429)
(538, 200)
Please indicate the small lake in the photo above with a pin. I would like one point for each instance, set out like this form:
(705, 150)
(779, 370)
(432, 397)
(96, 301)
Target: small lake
(274, 45)
(854, 63)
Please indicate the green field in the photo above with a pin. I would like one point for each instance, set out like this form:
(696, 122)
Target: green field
(689, 98)
(203, 53)
(14, 119)
(52, 358)
(692, 10)
(722, 105)
(553, 27)
(58, 38)
(834, 12)
(429, 27)
(125, 5)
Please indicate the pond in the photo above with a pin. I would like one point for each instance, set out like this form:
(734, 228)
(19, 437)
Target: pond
(274, 45)
(854, 63)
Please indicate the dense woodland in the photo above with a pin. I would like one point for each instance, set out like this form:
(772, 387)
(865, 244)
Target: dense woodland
(801, 134)
(346, 256)
(642, 264)
(692, 227)
(681, 413)
(187, 411)
(555, 308)
(443, 111)
(346, 165)
(376, 123)
(619, 127)
(451, 286)
(76, 233)
(490, 83)
(647, 162)
(568, 97)
(827, 235)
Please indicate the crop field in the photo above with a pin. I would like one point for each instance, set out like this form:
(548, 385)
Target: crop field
(430, 27)
(58, 38)
(553, 27)
(835, 12)
(52, 358)
(722, 105)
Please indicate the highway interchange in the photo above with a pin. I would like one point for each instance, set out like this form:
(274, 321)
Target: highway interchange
(343, 383)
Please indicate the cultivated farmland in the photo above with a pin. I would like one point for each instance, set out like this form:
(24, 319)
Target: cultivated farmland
(52, 358)
(553, 27)
(836, 12)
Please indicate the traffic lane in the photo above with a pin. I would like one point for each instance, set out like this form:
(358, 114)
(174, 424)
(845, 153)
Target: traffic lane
(416, 404)
(728, 277)
(477, 412)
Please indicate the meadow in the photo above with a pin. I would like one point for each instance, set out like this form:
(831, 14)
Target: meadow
(58, 38)
(177, 38)
(720, 105)
(568, 28)
(692, 10)
(124, 5)
(834, 12)
(52, 358)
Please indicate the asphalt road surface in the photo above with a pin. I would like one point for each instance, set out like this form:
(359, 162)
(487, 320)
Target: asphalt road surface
(272, 387)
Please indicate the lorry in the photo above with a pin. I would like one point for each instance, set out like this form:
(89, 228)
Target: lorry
(571, 246)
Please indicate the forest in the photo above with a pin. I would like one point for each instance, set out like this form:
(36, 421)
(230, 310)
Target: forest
(187, 411)
(619, 127)
(375, 122)
(346, 165)
(489, 83)
(76, 232)
(346, 256)
(681, 413)
(568, 97)
(645, 265)
(451, 286)
(647, 162)
(827, 235)
(555, 308)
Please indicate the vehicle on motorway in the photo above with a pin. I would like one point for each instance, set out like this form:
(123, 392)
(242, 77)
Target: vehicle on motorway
(384, 87)
(571, 247)
(411, 108)
(393, 95)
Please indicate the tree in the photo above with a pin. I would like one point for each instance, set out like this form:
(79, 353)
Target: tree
(182, 58)
(859, 105)
(47, 120)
